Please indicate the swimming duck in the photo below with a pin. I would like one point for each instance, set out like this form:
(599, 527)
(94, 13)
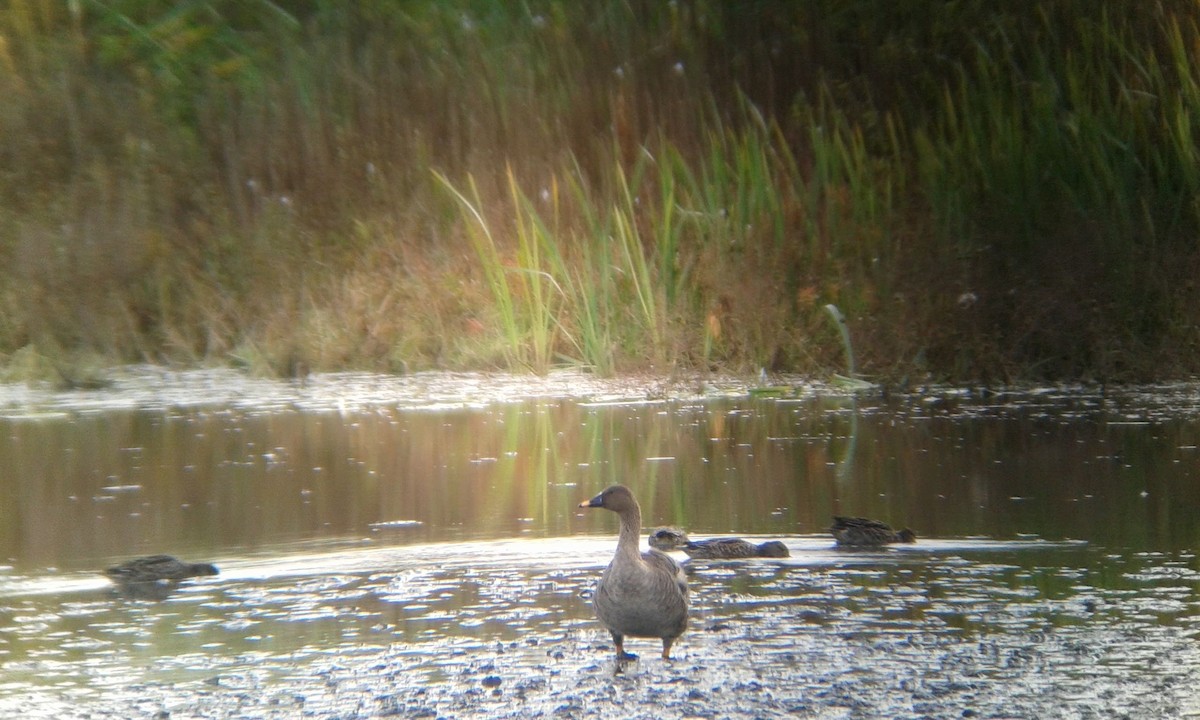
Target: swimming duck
(639, 594)
(668, 538)
(157, 568)
(861, 532)
(733, 548)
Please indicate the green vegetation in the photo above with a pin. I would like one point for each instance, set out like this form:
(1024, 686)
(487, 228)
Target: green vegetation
(988, 191)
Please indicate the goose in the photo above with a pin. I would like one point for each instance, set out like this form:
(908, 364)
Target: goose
(639, 594)
(861, 532)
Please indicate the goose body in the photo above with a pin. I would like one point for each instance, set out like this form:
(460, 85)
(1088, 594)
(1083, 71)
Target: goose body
(157, 568)
(862, 532)
(639, 594)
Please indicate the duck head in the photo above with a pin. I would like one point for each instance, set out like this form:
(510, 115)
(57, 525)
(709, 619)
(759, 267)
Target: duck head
(773, 549)
(668, 539)
(205, 569)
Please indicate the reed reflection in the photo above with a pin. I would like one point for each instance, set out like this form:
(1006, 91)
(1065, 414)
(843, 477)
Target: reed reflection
(87, 488)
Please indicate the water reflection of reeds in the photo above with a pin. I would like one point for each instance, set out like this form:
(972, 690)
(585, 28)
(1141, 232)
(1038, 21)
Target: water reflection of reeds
(85, 488)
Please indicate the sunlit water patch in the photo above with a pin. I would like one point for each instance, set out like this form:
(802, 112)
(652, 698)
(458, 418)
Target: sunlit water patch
(1009, 629)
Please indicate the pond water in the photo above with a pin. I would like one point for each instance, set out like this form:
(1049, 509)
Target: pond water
(412, 547)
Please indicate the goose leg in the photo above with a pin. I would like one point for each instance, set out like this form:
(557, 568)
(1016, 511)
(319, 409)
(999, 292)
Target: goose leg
(619, 641)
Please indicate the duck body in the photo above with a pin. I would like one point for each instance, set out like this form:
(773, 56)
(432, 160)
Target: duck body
(157, 568)
(862, 532)
(733, 548)
(639, 594)
(667, 539)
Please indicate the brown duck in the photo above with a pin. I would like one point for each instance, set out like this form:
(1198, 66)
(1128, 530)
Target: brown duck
(734, 548)
(717, 548)
(157, 568)
(639, 594)
(861, 532)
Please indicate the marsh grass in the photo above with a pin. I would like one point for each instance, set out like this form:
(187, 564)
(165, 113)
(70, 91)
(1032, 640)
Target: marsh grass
(987, 193)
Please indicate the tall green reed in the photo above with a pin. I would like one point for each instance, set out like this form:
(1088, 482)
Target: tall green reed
(526, 293)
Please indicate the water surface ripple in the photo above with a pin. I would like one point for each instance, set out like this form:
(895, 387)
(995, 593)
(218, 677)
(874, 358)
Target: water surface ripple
(417, 552)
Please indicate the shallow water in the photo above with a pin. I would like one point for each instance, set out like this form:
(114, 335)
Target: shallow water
(411, 547)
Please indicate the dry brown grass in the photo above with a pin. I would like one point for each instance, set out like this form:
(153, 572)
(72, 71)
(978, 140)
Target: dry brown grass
(667, 184)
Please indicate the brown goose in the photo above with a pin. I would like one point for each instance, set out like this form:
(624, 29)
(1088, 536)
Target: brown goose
(861, 532)
(639, 594)
(157, 568)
